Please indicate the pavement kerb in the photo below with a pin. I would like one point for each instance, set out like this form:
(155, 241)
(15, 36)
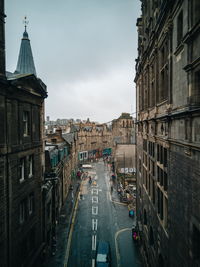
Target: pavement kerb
(71, 225)
(73, 208)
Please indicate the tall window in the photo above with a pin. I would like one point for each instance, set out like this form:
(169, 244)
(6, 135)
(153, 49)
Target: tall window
(195, 11)
(164, 75)
(196, 93)
(22, 211)
(22, 170)
(179, 28)
(26, 123)
(31, 203)
(30, 161)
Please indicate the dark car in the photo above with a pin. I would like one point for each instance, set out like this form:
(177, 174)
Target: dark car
(103, 254)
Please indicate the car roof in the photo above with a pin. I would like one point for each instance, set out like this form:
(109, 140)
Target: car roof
(103, 247)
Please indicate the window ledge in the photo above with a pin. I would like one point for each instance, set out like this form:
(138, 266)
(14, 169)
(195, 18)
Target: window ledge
(179, 49)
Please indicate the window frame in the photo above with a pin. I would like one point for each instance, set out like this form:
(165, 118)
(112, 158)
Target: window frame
(22, 169)
(26, 123)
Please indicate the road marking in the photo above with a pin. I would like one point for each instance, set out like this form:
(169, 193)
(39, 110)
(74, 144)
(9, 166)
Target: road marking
(116, 245)
(95, 191)
(93, 262)
(94, 224)
(94, 210)
(70, 233)
(94, 199)
(94, 242)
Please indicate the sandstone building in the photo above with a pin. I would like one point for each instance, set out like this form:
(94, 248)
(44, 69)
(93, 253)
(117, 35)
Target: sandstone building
(22, 97)
(168, 136)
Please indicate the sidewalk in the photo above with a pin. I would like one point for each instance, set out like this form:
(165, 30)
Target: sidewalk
(63, 227)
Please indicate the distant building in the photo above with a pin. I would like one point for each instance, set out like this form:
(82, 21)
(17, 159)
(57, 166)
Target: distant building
(168, 132)
(123, 129)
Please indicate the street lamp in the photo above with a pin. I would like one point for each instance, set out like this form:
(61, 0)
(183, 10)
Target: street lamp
(124, 175)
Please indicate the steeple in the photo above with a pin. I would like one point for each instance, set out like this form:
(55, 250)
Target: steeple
(25, 63)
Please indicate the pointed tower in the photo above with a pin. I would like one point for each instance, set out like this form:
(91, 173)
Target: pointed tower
(25, 64)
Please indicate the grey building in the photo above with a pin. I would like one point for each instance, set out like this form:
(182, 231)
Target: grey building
(22, 97)
(168, 132)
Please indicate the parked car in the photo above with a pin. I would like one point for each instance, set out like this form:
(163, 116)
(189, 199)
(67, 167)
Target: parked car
(103, 256)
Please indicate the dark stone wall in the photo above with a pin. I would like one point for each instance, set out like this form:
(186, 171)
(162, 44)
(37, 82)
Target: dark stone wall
(184, 202)
(20, 243)
(3, 212)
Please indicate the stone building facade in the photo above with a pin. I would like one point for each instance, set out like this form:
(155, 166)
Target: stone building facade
(168, 136)
(21, 170)
(123, 129)
(92, 139)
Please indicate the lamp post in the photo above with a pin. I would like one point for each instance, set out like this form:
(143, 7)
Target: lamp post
(124, 171)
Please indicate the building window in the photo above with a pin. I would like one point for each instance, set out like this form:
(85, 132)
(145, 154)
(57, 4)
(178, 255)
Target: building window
(165, 157)
(165, 181)
(196, 243)
(22, 170)
(26, 119)
(32, 239)
(22, 211)
(145, 217)
(30, 161)
(31, 203)
(179, 28)
(140, 165)
(160, 203)
(196, 92)
(195, 11)
(165, 212)
(151, 237)
(49, 210)
(153, 191)
(145, 145)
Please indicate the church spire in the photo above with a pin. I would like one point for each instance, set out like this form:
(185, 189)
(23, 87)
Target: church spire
(25, 63)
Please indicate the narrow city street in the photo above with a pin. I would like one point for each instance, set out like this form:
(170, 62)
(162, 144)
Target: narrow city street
(100, 216)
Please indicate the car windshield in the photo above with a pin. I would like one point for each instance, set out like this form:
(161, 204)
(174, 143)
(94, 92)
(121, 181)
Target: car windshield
(101, 258)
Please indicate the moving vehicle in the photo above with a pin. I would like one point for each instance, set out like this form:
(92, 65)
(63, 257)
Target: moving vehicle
(103, 256)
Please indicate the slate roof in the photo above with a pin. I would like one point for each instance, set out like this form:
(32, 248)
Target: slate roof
(69, 137)
(25, 64)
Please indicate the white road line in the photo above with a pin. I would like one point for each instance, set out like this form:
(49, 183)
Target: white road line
(95, 191)
(93, 262)
(94, 210)
(94, 242)
(94, 199)
(94, 224)
(94, 184)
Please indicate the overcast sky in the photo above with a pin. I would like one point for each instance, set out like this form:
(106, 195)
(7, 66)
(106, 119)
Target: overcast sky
(84, 51)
